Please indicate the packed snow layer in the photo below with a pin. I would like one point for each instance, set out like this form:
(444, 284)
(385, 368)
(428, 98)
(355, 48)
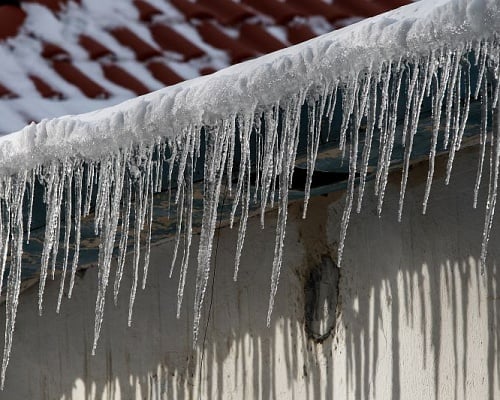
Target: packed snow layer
(377, 74)
(409, 32)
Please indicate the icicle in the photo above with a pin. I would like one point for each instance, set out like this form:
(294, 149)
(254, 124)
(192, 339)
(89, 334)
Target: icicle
(371, 107)
(290, 136)
(89, 188)
(350, 187)
(349, 95)
(215, 158)
(180, 216)
(259, 154)
(14, 280)
(436, 112)
(7, 187)
(67, 232)
(382, 125)
(482, 139)
(482, 55)
(52, 191)
(123, 238)
(78, 223)
(245, 129)
(270, 139)
(460, 122)
(31, 182)
(148, 208)
(392, 111)
(114, 174)
(188, 234)
(137, 244)
(456, 56)
(313, 138)
(411, 121)
(492, 191)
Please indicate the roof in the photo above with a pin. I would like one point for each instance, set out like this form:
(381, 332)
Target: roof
(67, 57)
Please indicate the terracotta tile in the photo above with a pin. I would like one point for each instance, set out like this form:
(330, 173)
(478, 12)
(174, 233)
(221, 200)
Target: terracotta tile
(331, 12)
(53, 51)
(95, 49)
(142, 50)
(146, 10)
(361, 8)
(54, 5)
(258, 38)
(227, 11)
(215, 37)
(392, 4)
(207, 70)
(171, 40)
(6, 93)
(163, 73)
(298, 33)
(12, 19)
(76, 77)
(192, 10)
(279, 11)
(44, 88)
(121, 77)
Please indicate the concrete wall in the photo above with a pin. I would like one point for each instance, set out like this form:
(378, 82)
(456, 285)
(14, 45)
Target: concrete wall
(415, 319)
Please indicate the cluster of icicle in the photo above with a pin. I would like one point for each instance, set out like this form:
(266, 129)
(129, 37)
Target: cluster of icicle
(123, 184)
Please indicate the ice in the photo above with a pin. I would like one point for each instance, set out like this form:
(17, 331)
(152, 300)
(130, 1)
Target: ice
(106, 166)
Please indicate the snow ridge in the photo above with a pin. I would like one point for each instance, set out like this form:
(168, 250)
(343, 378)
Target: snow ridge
(116, 157)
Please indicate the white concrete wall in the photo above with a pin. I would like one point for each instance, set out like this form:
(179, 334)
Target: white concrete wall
(416, 318)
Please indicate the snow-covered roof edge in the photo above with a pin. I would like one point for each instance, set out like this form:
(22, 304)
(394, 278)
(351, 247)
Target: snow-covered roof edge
(121, 150)
(408, 33)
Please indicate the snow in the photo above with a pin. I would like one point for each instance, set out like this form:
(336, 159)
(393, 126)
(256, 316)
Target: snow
(120, 151)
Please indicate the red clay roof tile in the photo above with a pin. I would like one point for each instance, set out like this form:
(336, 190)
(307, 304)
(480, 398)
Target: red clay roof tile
(192, 10)
(258, 38)
(54, 5)
(44, 88)
(171, 40)
(143, 51)
(12, 19)
(6, 93)
(214, 36)
(331, 12)
(163, 73)
(362, 8)
(53, 51)
(93, 47)
(207, 70)
(121, 77)
(297, 33)
(227, 12)
(279, 11)
(146, 10)
(76, 77)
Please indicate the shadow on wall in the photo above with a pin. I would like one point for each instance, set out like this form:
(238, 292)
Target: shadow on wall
(416, 319)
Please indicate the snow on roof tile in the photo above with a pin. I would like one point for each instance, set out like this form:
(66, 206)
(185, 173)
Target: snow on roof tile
(227, 12)
(6, 93)
(146, 10)
(214, 36)
(112, 50)
(73, 75)
(257, 37)
(45, 89)
(170, 40)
